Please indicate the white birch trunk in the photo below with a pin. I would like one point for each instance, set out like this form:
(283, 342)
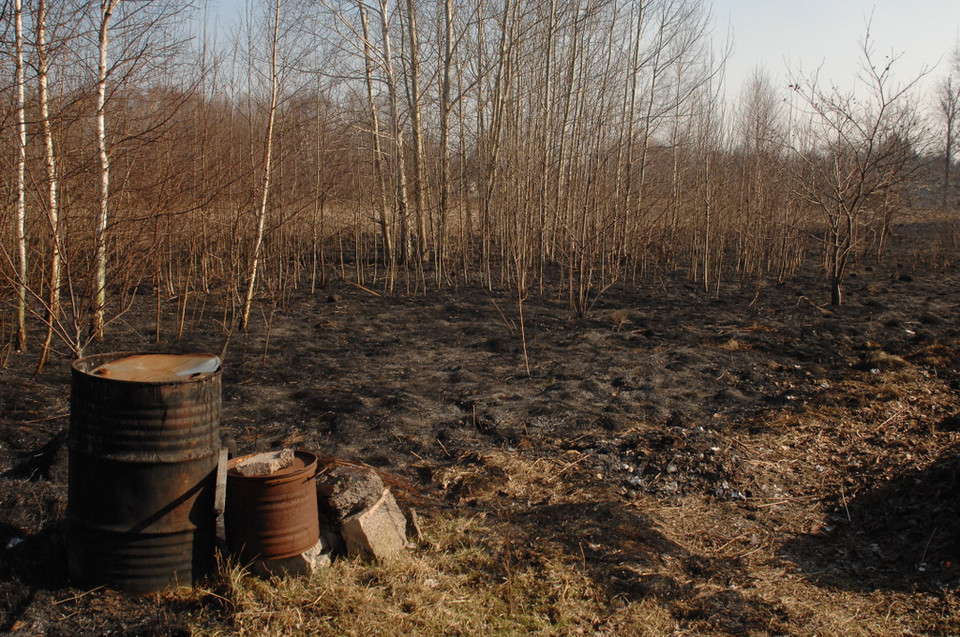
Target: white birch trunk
(53, 184)
(100, 248)
(21, 206)
(402, 204)
(267, 166)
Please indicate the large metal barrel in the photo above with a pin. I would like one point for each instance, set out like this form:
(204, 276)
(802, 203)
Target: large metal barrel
(272, 516)
(143, 450)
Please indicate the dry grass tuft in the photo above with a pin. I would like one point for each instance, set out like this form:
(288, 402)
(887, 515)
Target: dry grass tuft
(510, 474)
(878, 359)
(733, 345)
(620, 318)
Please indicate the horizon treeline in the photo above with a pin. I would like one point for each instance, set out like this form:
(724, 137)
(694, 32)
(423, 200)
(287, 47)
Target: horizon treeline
(557, 145)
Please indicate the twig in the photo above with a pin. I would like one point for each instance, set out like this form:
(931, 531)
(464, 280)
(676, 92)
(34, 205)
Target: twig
(780, 501)
(732, 540)
(523, 332)
(48, 418)
(896, 414)
(357, 285)
(823, 310)
(510, 324)
(573, 464)
(367, 290)
(442, 447)
(78, 596)
(923, 558)
(750, 552)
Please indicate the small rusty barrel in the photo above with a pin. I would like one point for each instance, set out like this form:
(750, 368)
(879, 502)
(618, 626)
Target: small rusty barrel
(272, 516)
(143, 450)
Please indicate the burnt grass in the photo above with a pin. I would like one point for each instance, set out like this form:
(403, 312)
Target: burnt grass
(748, 461)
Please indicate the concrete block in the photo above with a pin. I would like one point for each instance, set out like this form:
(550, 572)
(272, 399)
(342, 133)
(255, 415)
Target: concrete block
(346, 490)
(317, 557)
(378, 532)
(264, 464)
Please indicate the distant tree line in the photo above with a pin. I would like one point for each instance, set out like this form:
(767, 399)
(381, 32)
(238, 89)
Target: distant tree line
(557, 145)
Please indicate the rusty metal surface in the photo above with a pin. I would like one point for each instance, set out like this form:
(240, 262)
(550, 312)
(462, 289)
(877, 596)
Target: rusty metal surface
(143, 456)
(273, 516)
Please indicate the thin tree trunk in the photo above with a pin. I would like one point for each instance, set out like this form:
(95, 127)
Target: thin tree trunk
(316, 251)
(267, 166)
(397, 130)
(21, 206)
(547, 125)
(100, 249)
(389, 254)
(417, 126)
(53, 210)
(947, 161)
(445, 188)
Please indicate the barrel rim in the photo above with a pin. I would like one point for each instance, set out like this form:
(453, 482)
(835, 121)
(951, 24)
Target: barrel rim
(309, 469)
(86, 364)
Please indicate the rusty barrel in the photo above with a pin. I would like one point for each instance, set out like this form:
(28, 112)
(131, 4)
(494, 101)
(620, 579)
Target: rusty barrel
(272, 516)
(143, 450)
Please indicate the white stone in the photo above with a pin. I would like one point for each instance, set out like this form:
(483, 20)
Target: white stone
(378, 532)
(264, 464)
(314, 558)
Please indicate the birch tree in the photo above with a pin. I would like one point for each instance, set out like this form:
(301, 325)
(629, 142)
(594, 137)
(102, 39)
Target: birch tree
(99, 287)
(53, 183)
(267, 167)
(396, 128)
(21, 205)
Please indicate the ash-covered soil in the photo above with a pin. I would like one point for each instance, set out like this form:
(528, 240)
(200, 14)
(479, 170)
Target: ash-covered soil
(748, 460)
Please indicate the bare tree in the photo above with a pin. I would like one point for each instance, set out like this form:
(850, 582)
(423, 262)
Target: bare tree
(856, 149)
(762, 226)
(53, 182)
(107, 8)
(396, 127)
(948, 101)
(390, 257)
(267, 167)
(21, 206)
(415, 98)
(445, 111)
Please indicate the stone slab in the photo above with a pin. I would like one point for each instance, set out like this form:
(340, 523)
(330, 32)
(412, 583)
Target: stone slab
(378, 532)
(264, 464)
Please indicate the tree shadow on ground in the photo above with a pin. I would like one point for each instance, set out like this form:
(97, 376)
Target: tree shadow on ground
(901, 535)
(623, 551)
(30, 562)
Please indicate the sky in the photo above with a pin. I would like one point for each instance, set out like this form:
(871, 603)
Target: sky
(790, 37)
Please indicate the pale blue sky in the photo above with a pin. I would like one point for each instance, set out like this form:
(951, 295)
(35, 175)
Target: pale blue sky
(807, 34)
(787, 35)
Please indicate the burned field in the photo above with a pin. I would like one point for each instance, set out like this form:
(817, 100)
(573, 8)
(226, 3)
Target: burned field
(675, 462)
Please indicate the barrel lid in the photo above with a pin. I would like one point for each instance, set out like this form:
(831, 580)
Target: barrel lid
(157, 368)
